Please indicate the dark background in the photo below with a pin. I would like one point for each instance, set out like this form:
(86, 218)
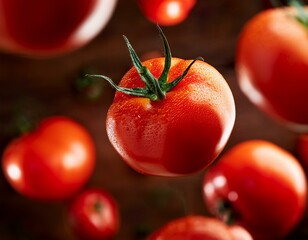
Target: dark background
(45, 87)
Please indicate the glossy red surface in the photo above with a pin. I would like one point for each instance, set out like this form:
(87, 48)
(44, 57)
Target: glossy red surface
(44, 87)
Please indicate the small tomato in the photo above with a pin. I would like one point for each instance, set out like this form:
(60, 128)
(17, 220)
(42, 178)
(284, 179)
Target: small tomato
(93, 215)
(51, 27)
(272, 64)
(166, 12)
(259, 186)
(52, 162)
(193, 228)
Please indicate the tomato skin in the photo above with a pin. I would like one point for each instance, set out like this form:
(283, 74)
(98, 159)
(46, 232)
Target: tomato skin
(166, 12)
(44, 28)
(52, 162)
(263, 185)
(180, 134)
(239, 233)
(272, 66)
(94, 215)
(193, 227)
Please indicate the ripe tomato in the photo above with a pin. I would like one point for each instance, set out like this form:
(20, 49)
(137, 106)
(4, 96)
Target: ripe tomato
(194, 228)
(178, 123)
(50, 27)
(259, 186)
(272, 65)
(93, 215)
(166, 12)
(52, 162)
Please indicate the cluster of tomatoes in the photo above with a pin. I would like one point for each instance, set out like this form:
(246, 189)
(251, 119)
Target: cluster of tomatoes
(172, 117)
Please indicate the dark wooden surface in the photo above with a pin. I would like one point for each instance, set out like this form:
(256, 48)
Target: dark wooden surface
(44, 87)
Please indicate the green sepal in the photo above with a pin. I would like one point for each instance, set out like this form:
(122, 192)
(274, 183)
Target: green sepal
(155, 89)
(302, 15)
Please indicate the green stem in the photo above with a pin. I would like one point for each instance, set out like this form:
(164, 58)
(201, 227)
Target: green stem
(155, 89)
(226, 212)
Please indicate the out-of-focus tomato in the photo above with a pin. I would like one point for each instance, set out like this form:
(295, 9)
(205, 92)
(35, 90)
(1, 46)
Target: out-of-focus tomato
(272, 65)
(51, 27)
(170, 117)
(93, 215)
(166, 12)
(259, 186)
(196, 228)
(52, 162)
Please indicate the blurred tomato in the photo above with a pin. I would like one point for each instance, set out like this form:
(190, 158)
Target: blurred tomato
(52, 162)
(193, 228)
(272, 65)
(166, 12)
(93, 215)
(259, 186)
(51, 27)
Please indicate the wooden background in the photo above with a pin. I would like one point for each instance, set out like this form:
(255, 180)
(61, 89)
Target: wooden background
(44, 87)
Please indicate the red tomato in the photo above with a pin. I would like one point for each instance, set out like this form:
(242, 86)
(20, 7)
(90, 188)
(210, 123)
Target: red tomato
(302, 149)
(50, 27)
(272, 65)
(259, 186)
(52, 162)
(93, 215)
(166, 12)
(170, 117)
(193, 228)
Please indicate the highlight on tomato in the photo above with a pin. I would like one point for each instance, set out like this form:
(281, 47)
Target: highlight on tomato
(51, 27)
(166, 12)
(169, 116)
(52, 162)
(197, 227)
(94, 215)
(272, 64)
(259, 186)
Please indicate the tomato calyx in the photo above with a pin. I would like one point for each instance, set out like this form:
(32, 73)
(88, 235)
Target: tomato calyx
(301, 14)
(155, 89)
(98, 206)
(225, 212)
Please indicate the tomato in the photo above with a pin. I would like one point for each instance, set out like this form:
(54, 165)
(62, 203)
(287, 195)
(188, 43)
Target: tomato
(166, 12)
(272, 65)
(52, 162)
(94, 215)
(194, 228)
(170, 116)
(302, 149)
(51, 27)
(259, 186)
